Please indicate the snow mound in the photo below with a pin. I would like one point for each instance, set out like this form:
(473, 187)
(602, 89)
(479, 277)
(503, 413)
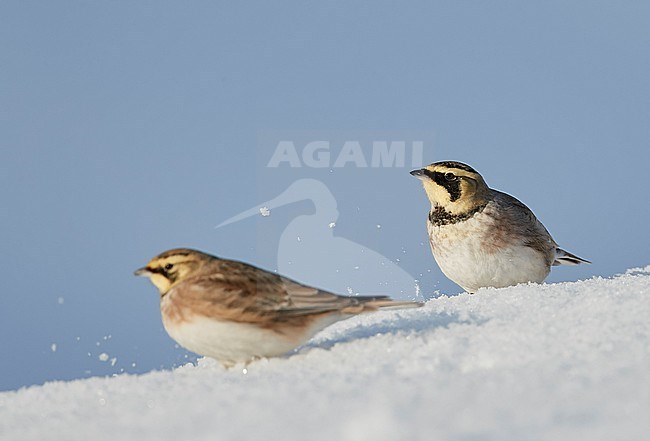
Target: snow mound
(563, 361)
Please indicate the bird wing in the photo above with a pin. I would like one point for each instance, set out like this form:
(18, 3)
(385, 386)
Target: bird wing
(308, 299)
(241, 292)
(522, 223)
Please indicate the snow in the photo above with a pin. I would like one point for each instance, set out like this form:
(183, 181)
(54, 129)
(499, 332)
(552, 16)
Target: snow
(559, 361)
(265, 211)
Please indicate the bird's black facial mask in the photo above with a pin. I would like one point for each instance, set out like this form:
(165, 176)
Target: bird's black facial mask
(448, 180)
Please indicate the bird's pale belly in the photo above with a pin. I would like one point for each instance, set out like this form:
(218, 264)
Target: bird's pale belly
(469, 258)
(232, 342)
(227, 341)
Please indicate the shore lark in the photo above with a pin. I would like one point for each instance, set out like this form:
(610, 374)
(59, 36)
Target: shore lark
(482, 237)
(235, 312)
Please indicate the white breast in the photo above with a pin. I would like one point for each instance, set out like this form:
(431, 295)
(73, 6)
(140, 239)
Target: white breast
(232, 342)
(470, 255)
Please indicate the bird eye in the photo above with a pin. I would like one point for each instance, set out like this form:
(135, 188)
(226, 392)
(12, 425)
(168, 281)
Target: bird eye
(450, 176)
(169, 266)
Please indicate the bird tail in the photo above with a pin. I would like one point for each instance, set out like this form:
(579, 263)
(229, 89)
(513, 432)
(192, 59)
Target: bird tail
(565, 258)
(368, 304)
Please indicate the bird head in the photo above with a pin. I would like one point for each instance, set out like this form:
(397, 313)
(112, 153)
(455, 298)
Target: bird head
(454, 186)
(168, 269)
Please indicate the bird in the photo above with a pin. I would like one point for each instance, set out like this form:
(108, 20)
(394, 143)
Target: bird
(481, 237)
(235, 312)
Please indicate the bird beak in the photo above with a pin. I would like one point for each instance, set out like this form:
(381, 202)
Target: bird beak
(142, 272)
(419, 173)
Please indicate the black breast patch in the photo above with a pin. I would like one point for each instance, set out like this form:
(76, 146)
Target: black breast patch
(439, 216)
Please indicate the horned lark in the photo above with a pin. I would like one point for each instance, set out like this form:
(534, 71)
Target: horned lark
(482, 237)
(235, 312)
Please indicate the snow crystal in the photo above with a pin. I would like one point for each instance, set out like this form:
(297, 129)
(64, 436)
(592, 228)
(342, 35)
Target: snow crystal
(264, 211)
(103, 356)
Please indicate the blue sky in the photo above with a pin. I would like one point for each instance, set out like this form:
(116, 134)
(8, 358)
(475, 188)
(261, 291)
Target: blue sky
(132, 127)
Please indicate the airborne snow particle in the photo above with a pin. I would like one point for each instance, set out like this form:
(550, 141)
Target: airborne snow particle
(60, 300)
(103, 356)
(332, 224)
(53, 347)
(264, 211)
(378, 226)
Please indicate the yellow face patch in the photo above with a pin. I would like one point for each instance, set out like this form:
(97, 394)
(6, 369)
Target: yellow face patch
(165, 272)
(455, 188)
(161, 282)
